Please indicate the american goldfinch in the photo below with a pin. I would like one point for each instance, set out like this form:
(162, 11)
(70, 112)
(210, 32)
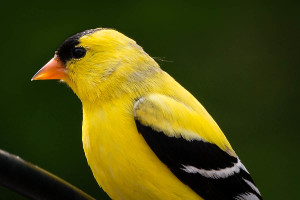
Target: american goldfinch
(144, 135)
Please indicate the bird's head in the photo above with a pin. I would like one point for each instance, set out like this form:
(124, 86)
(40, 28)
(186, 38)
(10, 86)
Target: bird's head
(97, 63)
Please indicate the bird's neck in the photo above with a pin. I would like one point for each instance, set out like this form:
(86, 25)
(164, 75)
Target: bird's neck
(126, 81)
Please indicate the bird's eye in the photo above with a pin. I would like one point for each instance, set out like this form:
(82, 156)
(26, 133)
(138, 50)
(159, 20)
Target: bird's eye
(79, 52)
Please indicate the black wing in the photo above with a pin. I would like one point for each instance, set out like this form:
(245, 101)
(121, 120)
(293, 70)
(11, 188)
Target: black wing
(204, 167)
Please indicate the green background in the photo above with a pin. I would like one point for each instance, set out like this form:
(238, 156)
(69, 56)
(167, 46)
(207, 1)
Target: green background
(240, 60)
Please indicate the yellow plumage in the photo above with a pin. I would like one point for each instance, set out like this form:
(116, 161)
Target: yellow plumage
(119, 83)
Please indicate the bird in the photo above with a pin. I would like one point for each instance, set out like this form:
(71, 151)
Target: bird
(144, 135)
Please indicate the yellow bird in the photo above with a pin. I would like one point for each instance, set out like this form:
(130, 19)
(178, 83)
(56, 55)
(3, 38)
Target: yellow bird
(144, 135)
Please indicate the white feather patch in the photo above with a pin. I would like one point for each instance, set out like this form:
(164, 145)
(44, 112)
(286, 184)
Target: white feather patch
(141, 100)
(246, 196)
(215, 174)
(252, 186)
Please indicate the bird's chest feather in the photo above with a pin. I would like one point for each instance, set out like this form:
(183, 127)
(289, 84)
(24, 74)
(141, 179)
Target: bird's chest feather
(112, 146)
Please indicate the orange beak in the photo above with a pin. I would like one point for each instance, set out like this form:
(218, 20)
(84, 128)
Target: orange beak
(54, 69)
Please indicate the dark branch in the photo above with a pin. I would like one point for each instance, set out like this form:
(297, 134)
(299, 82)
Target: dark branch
(34, 182)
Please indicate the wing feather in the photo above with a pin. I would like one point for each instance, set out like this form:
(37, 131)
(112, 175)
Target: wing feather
(209, 170)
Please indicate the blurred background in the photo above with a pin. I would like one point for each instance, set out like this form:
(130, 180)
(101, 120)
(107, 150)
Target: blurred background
(240, 60)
